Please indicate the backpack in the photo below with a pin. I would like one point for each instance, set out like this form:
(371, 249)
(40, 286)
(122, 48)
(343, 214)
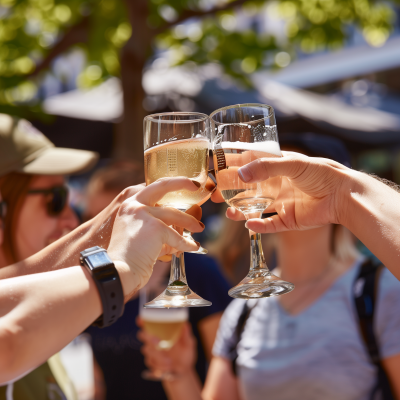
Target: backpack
(364, 294)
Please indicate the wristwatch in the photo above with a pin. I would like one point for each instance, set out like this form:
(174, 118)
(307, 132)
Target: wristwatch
(108, 283)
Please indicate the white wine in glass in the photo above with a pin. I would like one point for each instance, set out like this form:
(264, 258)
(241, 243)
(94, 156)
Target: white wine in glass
(244, 133)
(177, 144)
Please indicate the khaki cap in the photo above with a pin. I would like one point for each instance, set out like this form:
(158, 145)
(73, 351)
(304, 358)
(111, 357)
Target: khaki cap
(25, 149)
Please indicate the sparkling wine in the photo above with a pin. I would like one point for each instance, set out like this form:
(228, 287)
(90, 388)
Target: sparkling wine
(247, 197)
(164, 324)
(187, 158)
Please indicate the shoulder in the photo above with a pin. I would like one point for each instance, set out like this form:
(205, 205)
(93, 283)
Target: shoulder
(226, 335)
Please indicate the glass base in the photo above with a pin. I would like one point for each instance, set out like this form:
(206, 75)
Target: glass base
(259, 284)
(176, 297)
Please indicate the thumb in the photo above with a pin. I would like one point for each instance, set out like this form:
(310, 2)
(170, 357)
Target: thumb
(290, 165)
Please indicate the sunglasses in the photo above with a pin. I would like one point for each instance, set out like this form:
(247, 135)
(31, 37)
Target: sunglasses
(58, 197)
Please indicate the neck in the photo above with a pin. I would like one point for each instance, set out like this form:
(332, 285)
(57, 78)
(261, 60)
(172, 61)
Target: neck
(304, 255)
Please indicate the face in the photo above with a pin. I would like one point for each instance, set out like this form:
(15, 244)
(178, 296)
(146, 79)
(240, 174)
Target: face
(36, 228)
(97, 202)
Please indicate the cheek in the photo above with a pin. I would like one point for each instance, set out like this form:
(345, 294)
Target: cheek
(34, 228)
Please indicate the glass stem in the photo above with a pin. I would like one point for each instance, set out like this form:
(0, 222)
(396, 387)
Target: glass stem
(178, 273)
(257, 260)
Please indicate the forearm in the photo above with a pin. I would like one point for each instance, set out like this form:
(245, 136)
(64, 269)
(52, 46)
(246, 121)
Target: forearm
(64, 252)
(40, 314)
(184, 387)
(371, 210)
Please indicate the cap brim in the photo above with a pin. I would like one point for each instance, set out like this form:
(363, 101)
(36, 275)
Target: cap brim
(61, 161)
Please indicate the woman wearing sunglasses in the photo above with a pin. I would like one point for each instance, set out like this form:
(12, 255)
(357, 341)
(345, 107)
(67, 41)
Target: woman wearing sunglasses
(33, 189)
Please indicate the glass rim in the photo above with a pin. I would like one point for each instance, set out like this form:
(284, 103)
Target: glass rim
(202, 117)
(260, 105)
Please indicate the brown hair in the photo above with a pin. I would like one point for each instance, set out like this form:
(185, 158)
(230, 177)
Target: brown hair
(14, 188)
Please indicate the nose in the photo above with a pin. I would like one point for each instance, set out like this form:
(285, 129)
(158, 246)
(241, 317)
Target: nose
(68, 219)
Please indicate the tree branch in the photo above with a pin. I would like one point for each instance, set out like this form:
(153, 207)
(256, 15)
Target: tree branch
(78, 33)
(199, 13)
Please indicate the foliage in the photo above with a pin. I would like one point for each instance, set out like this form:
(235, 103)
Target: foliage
(29, 29)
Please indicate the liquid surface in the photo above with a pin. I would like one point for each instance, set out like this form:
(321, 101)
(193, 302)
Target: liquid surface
(247, 197)
(167, 332)
(187, 158)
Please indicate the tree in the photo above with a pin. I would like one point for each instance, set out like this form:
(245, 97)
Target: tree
(119, 37)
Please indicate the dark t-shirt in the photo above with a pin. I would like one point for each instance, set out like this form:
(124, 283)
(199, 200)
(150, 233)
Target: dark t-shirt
(117, 349)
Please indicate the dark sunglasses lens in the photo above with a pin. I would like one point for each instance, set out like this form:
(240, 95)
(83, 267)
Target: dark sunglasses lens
(59, 200)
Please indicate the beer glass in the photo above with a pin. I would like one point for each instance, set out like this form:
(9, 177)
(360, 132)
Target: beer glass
(177, 144)
(244, 133)
(165, 324)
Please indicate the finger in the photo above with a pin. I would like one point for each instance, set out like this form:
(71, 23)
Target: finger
(268, 225)
(171, 216)
(216, 197)
(165, 258)
(291, 165)
(151, 194)
(195, 211)
(173, 239)
(234, 214)
(139, 322)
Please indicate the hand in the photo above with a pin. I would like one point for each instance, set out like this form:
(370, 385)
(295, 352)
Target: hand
(142, 232)
(178, 360)
(310, 195)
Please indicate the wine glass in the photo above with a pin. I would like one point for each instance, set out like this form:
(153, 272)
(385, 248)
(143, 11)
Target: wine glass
(177, 144)
(244, 133)
(165, 324)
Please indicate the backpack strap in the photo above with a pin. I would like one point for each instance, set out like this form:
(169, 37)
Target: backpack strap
(365, 290)
(243, 317)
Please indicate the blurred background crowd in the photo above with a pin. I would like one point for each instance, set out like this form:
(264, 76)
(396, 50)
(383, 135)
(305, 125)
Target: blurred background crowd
(86, 72)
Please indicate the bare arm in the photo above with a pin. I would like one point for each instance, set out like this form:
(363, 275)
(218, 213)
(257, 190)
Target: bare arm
(65, 251)
(41, 313)
(392, 368)
(318, 191)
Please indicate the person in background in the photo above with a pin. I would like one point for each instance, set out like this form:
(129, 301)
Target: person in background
(116, 348)
(33, 188)
(306, 343)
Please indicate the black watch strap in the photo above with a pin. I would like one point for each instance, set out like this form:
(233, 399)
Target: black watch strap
(108, 283)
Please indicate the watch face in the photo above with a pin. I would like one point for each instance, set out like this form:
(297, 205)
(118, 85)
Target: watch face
(99, 259)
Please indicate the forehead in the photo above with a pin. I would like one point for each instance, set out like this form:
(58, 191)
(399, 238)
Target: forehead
(46, 181)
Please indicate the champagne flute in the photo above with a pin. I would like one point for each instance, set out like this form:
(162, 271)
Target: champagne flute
(177, 144)
(244, 133)
(165, 324)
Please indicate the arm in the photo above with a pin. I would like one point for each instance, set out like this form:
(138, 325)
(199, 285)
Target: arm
(208, 328)
(220, 384)
(392, 368)
(318, 191)
(43, 312)
(96, 232)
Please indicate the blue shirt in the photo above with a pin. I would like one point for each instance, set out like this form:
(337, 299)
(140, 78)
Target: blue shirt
(117, 349)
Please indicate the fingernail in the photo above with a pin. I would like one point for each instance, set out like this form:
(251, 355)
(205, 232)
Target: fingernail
(245, 174)
(245, 225)
(201, 224)
(197, 183)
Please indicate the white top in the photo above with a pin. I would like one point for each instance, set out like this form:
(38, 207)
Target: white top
(317, 354)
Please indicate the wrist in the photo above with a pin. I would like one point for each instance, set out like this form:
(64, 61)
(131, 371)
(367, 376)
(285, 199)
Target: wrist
(129, 280)
(353, 182)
